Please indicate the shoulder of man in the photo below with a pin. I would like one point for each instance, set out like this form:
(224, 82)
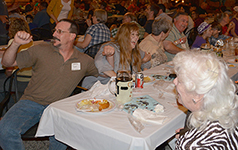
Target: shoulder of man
(82, 56)
(41, 46)
(172, 34)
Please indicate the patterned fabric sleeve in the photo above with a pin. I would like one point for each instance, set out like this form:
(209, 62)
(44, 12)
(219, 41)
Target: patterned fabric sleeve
(213, 137)
(90, 30)
(114, 32)
(99, 32)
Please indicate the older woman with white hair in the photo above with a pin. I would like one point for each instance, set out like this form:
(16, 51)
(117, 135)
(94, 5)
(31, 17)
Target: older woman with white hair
(204, 88)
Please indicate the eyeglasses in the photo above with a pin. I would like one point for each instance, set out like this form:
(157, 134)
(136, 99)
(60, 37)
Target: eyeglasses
(59, 31)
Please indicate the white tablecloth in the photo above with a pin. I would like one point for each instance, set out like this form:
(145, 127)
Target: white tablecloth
(110, 130)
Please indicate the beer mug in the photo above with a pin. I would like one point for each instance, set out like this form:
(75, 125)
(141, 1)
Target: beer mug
(123, 86)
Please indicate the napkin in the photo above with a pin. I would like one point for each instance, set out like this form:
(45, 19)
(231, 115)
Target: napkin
(165, 86)
(149, 116)
(99, 89)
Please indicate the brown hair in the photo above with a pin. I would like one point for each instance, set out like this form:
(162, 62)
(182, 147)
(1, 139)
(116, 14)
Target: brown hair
(178, 14)
(161, 25)
(131, 15)
(101, 15)
(126, 52)
(219, 17)
(18, 24)
(217, 26)
(155, 9)
(74, 28)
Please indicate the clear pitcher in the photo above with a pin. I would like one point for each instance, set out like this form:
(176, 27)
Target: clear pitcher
(123, 83)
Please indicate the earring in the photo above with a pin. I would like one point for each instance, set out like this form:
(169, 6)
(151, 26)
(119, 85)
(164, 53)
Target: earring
(194, 101)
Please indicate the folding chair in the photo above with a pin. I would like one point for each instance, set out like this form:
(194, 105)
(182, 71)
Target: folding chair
(11, 81)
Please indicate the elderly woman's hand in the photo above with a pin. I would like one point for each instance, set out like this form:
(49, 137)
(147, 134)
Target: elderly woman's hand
(177, 133)
(108, 50)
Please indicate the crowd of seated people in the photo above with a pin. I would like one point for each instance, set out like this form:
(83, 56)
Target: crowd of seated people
(133, 44)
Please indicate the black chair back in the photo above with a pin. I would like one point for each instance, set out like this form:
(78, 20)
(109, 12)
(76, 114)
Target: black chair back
(41, 34)
(92, 50)
(7, 87)
(9, 83)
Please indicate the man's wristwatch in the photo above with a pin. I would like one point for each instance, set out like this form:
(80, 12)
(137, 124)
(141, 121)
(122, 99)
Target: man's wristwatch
(176, 42)
(179, 41)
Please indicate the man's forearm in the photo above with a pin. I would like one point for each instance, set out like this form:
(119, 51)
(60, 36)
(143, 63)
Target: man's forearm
(171, 48)
(9, 56)
(174, 49)
(79, 44)
(84, 43)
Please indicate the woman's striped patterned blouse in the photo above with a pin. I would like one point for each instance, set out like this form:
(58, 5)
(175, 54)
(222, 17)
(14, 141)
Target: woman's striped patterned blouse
(213, 137)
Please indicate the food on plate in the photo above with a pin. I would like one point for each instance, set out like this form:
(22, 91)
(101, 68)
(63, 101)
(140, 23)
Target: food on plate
(102, 104)
(85, 102)
(93, 105)
(231, 66)
(147, 79)
(87, 105)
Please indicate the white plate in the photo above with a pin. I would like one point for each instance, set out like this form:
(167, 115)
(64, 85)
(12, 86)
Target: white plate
(162, 77)
(112, 105)
(151, 79)
(232, 61)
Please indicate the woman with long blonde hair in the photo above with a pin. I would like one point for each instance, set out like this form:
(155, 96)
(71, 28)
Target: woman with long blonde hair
(128, 47)
(125, 55)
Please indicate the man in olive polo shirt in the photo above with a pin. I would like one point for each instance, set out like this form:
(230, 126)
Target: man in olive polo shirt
(176, 40)
(56, 70)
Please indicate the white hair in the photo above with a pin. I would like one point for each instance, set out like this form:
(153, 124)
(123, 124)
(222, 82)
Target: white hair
(204, 73)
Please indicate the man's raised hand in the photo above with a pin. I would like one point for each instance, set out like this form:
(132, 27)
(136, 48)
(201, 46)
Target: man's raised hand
(22, 37)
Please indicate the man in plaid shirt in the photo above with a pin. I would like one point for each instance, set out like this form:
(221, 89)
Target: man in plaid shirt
(96, 34)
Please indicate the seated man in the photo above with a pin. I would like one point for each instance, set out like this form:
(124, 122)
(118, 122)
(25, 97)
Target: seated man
(224, 20)
(56, 70)
(162, 13)
(202, 10)
(42, 19)
(153, 43)
(151, 12)
(96, 34)
(130, 17)
(177, 41)
(217, 34)
(185, 9)
(204, 33)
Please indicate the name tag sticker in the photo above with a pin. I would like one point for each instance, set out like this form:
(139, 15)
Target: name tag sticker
(75, 66)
